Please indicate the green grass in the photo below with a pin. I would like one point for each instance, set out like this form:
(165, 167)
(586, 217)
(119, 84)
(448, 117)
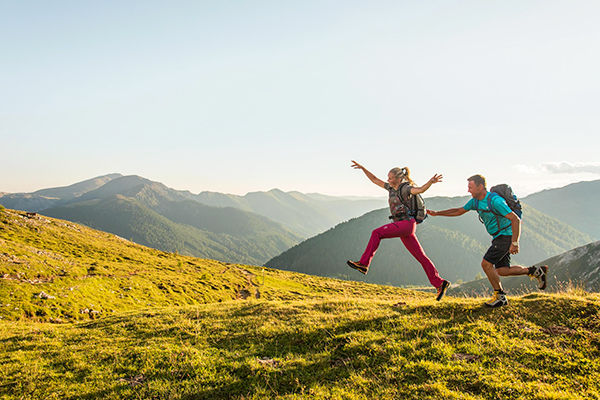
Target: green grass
(325, 348)
(173, 327)
(92, 274)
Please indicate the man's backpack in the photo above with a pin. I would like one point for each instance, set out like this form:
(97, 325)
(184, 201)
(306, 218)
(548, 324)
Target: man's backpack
(505, 191)
(414, 203)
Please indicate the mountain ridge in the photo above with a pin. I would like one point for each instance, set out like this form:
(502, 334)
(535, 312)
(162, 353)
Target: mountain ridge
(573, 204)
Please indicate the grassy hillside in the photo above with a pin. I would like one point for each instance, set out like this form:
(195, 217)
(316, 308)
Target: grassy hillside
(85, 269)
(357, 347)
(456, 246)
(122, 321)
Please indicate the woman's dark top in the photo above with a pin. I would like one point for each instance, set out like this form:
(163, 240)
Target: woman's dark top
(397, 207)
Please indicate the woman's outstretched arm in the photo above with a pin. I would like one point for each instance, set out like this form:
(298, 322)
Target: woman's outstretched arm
(369, 175)
(418, 190)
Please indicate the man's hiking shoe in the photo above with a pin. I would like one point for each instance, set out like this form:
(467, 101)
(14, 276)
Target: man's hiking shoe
(497, 300)
(540, 273)
(363, 269)
(441, 291)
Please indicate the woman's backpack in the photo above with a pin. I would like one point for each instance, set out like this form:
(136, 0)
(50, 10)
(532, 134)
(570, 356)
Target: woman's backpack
(414, 203)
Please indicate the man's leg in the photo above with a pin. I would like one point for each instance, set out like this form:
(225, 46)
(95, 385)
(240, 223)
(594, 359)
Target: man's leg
(539, 273)
(492, 274)
(513, 270)
(499, 297)
(496, 256)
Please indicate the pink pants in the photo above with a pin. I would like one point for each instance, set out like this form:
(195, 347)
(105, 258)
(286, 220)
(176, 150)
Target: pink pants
(405, 230)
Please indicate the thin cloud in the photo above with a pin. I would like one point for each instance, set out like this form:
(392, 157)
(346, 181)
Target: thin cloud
(572, 168)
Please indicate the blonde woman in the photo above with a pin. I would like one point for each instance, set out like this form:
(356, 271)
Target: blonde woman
(400, 187)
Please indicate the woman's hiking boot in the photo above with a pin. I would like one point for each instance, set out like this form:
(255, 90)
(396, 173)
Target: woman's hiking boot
(363, 269)
(540, 273)
(441, 291)
(497, 300)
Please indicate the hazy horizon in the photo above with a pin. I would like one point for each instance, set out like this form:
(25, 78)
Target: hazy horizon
(382, 194)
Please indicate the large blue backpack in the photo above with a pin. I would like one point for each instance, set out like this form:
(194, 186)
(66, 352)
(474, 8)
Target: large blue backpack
(506, 192)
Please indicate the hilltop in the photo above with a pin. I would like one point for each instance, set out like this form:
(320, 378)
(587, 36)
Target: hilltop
(132, 322)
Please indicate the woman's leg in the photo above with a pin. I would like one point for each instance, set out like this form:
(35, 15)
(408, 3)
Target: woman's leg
(383, 232)
(414, 247)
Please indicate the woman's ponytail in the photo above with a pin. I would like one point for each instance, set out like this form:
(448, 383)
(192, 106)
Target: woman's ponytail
(407, 176)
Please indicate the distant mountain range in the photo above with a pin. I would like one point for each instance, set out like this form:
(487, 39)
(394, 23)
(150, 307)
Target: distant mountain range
(576, 268)
(246, 229)
(456, 245)
(46, 198)
(263, 226)
(151, 214)
(575, 204)
(304, 214)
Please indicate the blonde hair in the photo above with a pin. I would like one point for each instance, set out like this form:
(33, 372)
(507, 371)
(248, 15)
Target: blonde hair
(403, 173)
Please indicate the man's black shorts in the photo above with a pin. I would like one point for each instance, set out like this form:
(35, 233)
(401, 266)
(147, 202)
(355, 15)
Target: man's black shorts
(499, 252)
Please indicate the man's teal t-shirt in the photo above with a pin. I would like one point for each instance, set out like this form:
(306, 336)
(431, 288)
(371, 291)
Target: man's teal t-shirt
(489, 219)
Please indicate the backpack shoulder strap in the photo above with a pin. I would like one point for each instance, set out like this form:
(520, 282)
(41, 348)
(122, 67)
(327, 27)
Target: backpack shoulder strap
(491, 196)
(400, 190)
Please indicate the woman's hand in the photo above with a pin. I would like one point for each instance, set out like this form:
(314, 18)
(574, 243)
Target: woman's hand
(436, 178)
(369, 175)
(357, 165)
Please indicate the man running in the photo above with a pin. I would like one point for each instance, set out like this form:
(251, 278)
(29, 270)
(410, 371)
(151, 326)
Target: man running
(505, 227)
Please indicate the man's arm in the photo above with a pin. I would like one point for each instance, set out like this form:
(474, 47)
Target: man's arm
(452, 212)
(516, 230)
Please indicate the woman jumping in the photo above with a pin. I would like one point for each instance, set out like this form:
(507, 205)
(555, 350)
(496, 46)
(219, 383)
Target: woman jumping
(404, 225)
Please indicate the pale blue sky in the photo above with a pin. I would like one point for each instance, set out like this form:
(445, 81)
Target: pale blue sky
(238, 96)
